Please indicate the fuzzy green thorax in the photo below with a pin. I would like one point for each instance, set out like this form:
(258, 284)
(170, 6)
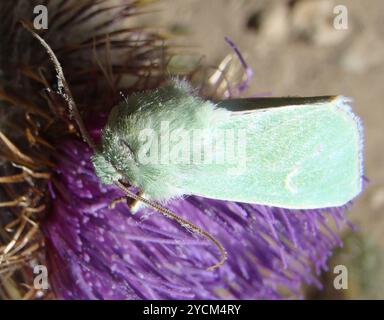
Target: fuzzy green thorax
(123, 143)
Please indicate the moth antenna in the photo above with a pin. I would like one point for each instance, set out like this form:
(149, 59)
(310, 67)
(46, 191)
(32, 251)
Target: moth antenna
(65, 92)
(63, 87)
(169, 214)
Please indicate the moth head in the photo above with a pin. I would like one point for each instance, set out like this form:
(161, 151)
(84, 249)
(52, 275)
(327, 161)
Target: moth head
(104, 169)
(115, 158)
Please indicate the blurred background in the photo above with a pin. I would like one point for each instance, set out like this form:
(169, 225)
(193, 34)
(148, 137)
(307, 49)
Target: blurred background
(294, 49)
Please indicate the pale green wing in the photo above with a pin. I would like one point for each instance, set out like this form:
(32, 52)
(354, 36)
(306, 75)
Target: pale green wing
(303, 153)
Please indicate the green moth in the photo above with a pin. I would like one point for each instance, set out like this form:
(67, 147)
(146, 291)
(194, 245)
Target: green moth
(299, 153)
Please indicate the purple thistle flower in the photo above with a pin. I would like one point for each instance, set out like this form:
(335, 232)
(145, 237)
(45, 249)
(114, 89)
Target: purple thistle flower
(95, 252)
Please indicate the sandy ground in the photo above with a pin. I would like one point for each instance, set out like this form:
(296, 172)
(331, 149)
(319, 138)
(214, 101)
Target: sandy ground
(294, 49)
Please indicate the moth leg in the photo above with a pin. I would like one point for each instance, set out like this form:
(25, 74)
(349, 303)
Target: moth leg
(114, 202)
(136, 205)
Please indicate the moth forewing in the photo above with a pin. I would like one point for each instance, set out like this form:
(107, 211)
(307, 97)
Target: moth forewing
(301, 156)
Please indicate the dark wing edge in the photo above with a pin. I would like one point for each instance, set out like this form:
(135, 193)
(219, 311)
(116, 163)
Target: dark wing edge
(250, 104)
